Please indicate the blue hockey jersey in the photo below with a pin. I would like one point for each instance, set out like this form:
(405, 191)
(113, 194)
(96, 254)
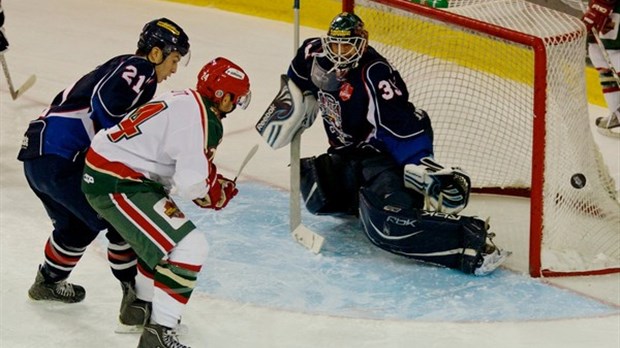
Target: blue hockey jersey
(368, 107)
(96, 101)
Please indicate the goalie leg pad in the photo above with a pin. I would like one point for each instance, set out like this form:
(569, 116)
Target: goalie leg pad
(446, 239)
(328, 185)
(290, 112)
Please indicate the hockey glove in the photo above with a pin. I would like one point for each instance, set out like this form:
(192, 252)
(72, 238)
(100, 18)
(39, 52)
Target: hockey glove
(597, 14)
(444, 189)
(221, 192)
(291, 111)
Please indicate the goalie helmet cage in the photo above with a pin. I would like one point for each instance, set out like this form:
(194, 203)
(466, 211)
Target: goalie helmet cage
(504, 84)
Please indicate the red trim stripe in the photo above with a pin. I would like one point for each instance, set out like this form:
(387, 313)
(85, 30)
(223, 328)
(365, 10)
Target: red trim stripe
(175, 295)
(160, 239)
(102, 164)
(187, 266)
(58, 257)
(144, 272)
(124, 256)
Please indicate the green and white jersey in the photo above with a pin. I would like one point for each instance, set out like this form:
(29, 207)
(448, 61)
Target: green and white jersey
(169, 141)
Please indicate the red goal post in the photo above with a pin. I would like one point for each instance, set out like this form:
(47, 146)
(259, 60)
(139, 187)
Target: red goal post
(504, 84)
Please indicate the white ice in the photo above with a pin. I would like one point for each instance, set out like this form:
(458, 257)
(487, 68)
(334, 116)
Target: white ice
(60, 40)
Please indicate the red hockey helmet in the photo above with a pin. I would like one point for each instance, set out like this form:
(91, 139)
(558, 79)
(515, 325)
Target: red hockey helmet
(221, 76)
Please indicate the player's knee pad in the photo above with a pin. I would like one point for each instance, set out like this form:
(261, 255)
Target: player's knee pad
(192, 249)
(447, 239)
(328, 185)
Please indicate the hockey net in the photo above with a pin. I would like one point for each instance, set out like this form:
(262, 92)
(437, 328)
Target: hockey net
(503, 82)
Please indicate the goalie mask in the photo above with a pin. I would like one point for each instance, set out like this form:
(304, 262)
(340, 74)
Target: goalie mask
(346, 41)
(221, 76)
(166, 35)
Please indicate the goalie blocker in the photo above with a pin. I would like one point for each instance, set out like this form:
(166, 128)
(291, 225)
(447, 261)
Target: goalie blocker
(454, 241)
(290, 112)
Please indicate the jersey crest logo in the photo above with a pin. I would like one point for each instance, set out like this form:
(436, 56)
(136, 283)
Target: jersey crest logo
(171, 210)
(330, 111)
(346, 90)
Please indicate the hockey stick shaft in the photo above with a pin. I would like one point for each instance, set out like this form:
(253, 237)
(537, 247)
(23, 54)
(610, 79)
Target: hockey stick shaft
(304, 236)
(600, 45)
(247, 159)
(5, 68)
(23, 88)
(294, 204)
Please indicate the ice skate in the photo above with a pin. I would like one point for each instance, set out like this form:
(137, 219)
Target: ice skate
(609, 126)
(179, 330)
(60, 291)
(134, 313)
(158, 336)
(492, 258)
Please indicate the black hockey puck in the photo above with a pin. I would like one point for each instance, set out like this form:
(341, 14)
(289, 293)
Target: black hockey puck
(578, 180)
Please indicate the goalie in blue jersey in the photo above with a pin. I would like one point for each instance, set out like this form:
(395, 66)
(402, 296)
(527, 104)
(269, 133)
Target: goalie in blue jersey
(379, 164)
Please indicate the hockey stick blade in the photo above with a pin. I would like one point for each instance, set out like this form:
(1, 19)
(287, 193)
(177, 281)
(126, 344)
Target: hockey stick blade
(309, 239)
(15, 93)
(26, 86)
(247, 159)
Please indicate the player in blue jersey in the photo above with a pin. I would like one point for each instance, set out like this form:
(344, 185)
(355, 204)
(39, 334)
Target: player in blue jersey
(379, 164)
(54, 148)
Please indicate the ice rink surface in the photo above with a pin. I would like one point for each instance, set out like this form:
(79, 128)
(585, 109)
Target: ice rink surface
(259, 288)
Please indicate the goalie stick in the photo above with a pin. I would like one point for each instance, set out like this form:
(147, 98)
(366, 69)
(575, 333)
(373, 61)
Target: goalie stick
(303, 235)
(23, 88)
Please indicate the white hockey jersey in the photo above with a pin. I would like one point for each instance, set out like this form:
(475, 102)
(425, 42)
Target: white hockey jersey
(165, 140)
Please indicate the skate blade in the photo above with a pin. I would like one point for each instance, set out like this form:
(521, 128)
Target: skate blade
(493, 263)
(128, 329)
(121, 328)
(613, 133)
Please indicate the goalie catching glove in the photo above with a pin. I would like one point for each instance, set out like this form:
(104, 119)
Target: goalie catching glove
(221, 191)
(444, 189)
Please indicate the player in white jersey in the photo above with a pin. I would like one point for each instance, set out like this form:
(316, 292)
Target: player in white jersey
(604, 16)
(168, 143)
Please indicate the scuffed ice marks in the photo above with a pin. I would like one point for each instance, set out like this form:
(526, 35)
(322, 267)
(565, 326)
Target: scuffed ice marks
(253, 259)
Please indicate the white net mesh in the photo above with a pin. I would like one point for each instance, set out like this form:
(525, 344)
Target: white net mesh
(577, 4)
(497, 103)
